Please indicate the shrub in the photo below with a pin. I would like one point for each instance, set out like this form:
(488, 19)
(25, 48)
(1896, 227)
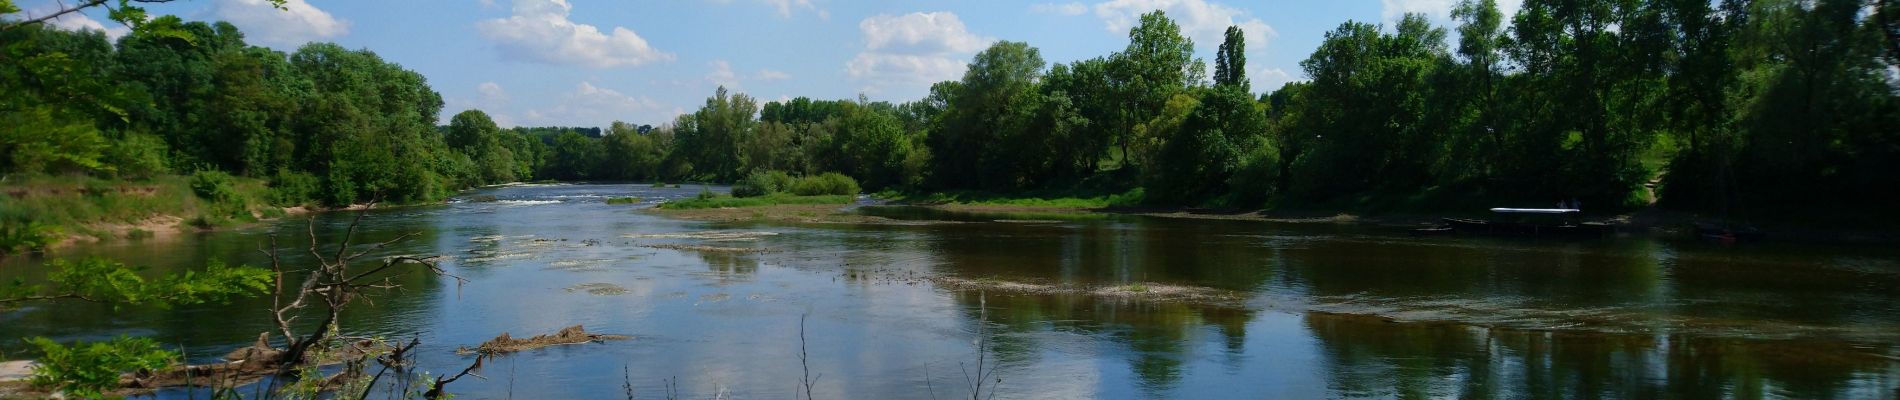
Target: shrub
(831, 183)
(216, 186)
(21, 232)
(623, 200)
(87, 370)
(706, 194)
(763, 183)
(289, 189)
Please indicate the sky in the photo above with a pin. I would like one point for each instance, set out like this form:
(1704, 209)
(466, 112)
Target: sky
(591, 62)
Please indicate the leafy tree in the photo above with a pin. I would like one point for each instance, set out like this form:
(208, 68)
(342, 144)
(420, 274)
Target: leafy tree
(628, 154)
(474, 134)
(1203, 155)
(1230, 63)
(991, 105)
(1158, 64)
(711, 143)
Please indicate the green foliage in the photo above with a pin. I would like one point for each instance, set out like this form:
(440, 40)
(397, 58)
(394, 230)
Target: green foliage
(623, 200)
(89, 370)
(710, 139)
(22, 232)
(829, 183)
(217, 186)
(137, 156)
(290, 189)
(763, 183)
(101, 280)
(38, 141)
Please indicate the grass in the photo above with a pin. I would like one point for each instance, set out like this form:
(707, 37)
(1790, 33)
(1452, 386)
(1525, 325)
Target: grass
(725, 201)
(624, 200)
(77, 204)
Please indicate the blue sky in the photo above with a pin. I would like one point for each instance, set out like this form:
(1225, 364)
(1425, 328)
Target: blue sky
(590, 62)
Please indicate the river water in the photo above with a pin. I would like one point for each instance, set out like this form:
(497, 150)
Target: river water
(1326, 311)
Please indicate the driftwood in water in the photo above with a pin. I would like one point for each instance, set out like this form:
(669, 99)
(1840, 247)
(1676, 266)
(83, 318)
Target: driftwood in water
(504, 344)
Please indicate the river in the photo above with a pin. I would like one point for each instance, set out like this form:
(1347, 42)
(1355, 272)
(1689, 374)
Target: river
(1326, 310)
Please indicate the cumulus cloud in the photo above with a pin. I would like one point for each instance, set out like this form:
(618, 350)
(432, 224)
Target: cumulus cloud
(297, 23)
(1060, 8)
(81, 22)
(913, 48)
(1200, 20)
(589, 105)
(539, 31)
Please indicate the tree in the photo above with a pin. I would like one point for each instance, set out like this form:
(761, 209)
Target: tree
(473, 134)
(992, 105)
(573, 157)
(1361, 122)
(1199, 159)
(1230, 63)
(628, 154)
(1158, 63)
(711, 143)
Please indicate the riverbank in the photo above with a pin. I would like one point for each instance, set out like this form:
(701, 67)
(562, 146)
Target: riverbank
(53, 212)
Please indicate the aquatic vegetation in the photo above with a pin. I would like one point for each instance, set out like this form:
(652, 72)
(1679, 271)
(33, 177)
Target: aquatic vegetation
(598, 289)
(504, 344)
(624, 200)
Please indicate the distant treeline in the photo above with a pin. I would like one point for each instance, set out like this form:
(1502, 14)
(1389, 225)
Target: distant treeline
(1732, 106)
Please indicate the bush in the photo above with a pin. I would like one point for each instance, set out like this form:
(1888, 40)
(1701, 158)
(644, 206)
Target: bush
(706, 194)
(763, 183)
(216, 186)
(289, 189)
(623, 200)
(20, 232)
(829, 183)
(87, 370)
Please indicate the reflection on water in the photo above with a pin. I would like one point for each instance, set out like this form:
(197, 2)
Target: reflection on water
(1332, 311)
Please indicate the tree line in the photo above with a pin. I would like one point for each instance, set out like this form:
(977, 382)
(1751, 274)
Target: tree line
(1728, 106)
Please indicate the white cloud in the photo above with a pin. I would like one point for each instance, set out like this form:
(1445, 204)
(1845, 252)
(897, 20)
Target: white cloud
(81, 22)
(539, 31)
(722, 74)
(1271, 79)
(913, 48)
(785, 8)
(1438, 10)
(489, 97)
(492, 92)
(771, 75)
(297, 23)
(1200, 20)
(1070, 9)
(589, 105)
